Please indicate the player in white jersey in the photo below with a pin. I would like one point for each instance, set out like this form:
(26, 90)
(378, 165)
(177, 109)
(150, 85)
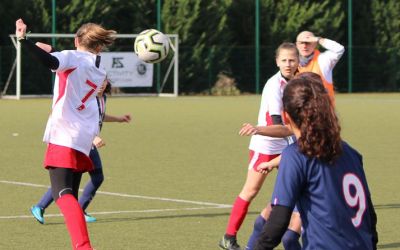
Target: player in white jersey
(96, 175)
(321, 175)
(74, 120)
(321, 63)
(290, 239)
(262, 148)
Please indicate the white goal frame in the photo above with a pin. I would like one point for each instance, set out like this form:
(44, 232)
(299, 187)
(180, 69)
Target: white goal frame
(16, 68)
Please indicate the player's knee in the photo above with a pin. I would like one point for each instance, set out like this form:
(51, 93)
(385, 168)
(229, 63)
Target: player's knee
(249, 193)
(290, 240)
(57, 193)
(253, 193)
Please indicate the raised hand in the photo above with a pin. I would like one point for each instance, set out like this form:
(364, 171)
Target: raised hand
(20, 29)
(311, 39)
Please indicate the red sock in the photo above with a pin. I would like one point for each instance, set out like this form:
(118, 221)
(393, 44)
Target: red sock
(75, 220)
(238, 214)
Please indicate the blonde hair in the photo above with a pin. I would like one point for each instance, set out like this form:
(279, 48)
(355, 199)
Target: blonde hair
(287, 46)
(94, 37)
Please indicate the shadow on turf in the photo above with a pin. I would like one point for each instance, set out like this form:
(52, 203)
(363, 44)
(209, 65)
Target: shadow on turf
(395, 245)
(101, 220)
(124, 219)
(387, 206)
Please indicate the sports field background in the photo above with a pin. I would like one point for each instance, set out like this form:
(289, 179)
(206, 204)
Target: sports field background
(171, 174)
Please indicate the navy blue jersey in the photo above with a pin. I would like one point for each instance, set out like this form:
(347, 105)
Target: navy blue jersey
(331, 198)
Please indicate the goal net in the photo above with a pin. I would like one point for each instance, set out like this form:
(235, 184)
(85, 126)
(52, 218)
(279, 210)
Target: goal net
(129, 75)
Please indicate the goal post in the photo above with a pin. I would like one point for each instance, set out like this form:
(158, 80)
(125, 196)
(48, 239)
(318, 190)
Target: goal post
(166, 84)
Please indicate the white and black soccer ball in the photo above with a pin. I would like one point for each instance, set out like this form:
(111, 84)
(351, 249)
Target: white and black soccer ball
(151, 46)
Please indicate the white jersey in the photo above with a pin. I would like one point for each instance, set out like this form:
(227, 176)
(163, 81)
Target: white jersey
(271, 104)
(328, 59)
(74, 120)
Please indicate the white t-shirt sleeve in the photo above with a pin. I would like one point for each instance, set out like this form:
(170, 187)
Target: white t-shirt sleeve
(65, 60)
(328, 59)
(274, 98)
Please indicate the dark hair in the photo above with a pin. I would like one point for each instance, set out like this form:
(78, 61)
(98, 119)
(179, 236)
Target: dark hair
(288, 46)
(309, 106)
(309, 76)
(108, 87)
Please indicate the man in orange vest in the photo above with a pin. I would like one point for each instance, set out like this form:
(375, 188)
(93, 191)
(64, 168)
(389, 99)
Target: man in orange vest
(312, 60)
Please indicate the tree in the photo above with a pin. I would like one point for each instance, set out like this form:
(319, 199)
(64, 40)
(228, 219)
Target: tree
(279, 21)
(218, 36)
(205, 40)
(10, 11)
(387, 26)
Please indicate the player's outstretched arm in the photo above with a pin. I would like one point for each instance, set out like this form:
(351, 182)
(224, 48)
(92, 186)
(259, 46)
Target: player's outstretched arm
(279, 131)
(38, 53)
(44, 46)
(247, 129)
(123, 118)
(267, 167)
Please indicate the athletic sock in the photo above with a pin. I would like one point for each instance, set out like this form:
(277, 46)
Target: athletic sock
(46, 200)
(87, 195)
(290, 240)
(96, 179)
(75, 221)
(258, 226)
(238, 214)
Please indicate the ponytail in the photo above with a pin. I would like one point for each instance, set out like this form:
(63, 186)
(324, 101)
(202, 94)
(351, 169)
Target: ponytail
(308, 104)
(92, 36)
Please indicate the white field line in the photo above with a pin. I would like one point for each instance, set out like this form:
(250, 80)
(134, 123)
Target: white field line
(166, 199)
(118, 212)
(127, 195)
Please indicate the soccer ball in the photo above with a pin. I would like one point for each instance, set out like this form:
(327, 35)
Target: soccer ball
(151, 46)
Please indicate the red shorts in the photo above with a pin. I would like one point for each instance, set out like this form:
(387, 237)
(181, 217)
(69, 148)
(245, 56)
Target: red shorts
(65, 157)
(256, 158)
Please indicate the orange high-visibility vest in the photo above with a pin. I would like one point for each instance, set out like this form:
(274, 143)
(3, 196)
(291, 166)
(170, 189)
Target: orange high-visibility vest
(313, 66)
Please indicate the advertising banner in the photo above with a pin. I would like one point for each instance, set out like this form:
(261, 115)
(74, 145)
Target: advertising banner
(124, 69)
